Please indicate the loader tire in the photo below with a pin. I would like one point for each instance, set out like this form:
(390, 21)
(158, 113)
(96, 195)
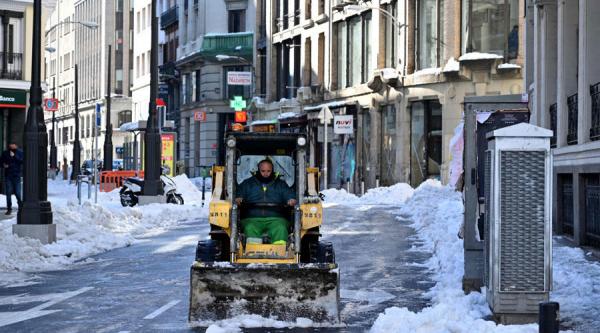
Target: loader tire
(322, 252)
(207, 250)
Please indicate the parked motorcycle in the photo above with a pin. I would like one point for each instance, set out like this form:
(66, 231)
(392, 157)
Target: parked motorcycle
(133, 187)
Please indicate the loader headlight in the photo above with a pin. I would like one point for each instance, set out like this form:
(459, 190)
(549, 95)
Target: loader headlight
(231, 143)
(301, 141)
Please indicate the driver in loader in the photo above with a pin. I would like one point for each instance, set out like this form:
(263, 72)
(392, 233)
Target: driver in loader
(265, 187)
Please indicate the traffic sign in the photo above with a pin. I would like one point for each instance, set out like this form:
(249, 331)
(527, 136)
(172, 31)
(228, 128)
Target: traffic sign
(200, 116)
(325, 115)
(160, 102)
(98, 115)
(237, 103)
(51, 104)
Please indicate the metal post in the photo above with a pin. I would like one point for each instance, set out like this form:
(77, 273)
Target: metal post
(362, 187)
(548, 317)
(76, 143)
(108, 146)
(53, 152)
(96, 155)
(325, 148)
(376, 181)
(35, 209)
(152, 146)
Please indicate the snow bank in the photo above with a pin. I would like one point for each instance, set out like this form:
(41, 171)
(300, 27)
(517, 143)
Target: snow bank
(437, 212)
(393, 195)
(90, 228)
(253, 321)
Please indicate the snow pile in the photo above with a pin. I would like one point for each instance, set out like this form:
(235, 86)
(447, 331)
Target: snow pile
(451, 66)
(479, 56)
(575, 284)
(428, 71)
(389, 73)
(253, 321)
(437, 213)
(392, 195)
(508, 66)
(90, 228)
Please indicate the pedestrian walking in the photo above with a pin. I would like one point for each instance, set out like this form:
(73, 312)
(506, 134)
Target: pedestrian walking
(12, 162)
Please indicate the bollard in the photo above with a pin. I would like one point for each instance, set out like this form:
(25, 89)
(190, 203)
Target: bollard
(376, 181)
(362, 187)
(83, 179)
(548, 317)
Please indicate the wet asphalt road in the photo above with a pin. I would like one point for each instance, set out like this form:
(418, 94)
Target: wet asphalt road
(144, 287)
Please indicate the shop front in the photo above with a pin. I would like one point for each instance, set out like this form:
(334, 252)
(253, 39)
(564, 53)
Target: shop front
(12, 120)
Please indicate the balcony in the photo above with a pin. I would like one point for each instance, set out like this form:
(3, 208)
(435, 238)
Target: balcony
(572, 121)
(232, 44)
(553, 109)
(11, 66)
(595, 128)
(169, 17)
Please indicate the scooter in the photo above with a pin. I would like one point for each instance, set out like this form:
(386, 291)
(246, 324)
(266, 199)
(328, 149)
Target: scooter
(133, 186)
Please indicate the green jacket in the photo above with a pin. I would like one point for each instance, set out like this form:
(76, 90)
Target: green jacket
(252, 190)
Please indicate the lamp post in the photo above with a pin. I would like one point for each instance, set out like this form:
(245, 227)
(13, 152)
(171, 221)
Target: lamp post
(359, 8)
(108, 146)
(76, 143)
(34, 218)
(152, 146)
(53, 152)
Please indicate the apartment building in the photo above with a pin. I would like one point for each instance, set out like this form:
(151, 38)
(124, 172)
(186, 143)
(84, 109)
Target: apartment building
(215, 38)
(401, 68)
(16, 38)
(86, 45)
(564, 84)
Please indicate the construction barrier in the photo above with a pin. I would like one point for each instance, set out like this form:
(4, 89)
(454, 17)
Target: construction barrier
(110, 180)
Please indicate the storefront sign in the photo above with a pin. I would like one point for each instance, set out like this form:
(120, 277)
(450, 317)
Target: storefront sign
(200, 116)
(343, 124)
(239, 78)
(13, 98)
(168, 151)
(241, 116)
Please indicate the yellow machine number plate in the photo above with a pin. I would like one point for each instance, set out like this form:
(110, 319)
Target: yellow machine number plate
(219, 213)
(312, 215)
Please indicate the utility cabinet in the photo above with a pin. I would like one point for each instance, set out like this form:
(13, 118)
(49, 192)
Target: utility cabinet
(517, 225)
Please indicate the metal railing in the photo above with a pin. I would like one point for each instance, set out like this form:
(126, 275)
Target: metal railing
(11, 65)
(592, 214)
(572, 120)
(553, 108)
(595, 127)
(567, 206)
(169, 17)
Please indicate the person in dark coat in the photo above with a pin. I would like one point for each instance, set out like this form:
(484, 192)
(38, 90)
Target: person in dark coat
(12, 162)
(265, 187)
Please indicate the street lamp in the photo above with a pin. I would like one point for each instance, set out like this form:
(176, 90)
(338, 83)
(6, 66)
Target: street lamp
(87, 24)
(34, 218)
(359, 8)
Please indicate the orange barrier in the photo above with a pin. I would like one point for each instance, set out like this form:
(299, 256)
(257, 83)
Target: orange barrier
(110, 180)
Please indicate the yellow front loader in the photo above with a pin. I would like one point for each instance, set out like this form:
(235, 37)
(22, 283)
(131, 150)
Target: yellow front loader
(231, 276)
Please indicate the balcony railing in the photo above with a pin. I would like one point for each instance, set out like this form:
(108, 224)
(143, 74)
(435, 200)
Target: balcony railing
(169, 17)
(595, 128)
(572, 130)
(11, 65)
(553, 125)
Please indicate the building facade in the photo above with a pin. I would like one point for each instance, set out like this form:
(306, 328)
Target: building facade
(564, 84)
(401, 69)
(16, 38)
(214, 38)
(78, 44)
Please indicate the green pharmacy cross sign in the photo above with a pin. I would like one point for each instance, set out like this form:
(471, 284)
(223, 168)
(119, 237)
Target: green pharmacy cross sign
(237, 103)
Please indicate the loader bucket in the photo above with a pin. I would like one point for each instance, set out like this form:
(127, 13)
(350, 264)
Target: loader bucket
(288, 291)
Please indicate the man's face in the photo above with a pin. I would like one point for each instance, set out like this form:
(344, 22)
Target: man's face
(12, 146)
(265, 169)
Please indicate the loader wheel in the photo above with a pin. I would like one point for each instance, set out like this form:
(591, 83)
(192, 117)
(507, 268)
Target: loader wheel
(207, 250)
(322, 252)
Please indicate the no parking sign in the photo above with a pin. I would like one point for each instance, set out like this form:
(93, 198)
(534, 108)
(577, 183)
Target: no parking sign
(51, 104)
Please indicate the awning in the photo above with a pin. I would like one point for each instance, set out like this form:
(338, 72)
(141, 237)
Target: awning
(139, 125)
(331, 105)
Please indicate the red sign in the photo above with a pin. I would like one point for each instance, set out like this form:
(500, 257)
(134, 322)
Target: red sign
(51, 104)
(241, 116)
(160, 102)
(200, 116)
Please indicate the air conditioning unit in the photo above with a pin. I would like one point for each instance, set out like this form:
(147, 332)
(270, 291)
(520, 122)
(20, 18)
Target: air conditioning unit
(304, 94)
(517, 226)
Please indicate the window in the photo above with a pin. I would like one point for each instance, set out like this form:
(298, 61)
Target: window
(149, 15)
(353, 51)
(307, 9)
(144, 18)
(124, 117)
(148, 62)
(307, 63)
(428, 33)
(388, 144)
(137, 66)
(426, 141)
(491, 26)
(197, 86)
(342, 44)
(138, 22)
(391, 35)
(236, 21)
(143, 64)
(321, 7)
(184, 83)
